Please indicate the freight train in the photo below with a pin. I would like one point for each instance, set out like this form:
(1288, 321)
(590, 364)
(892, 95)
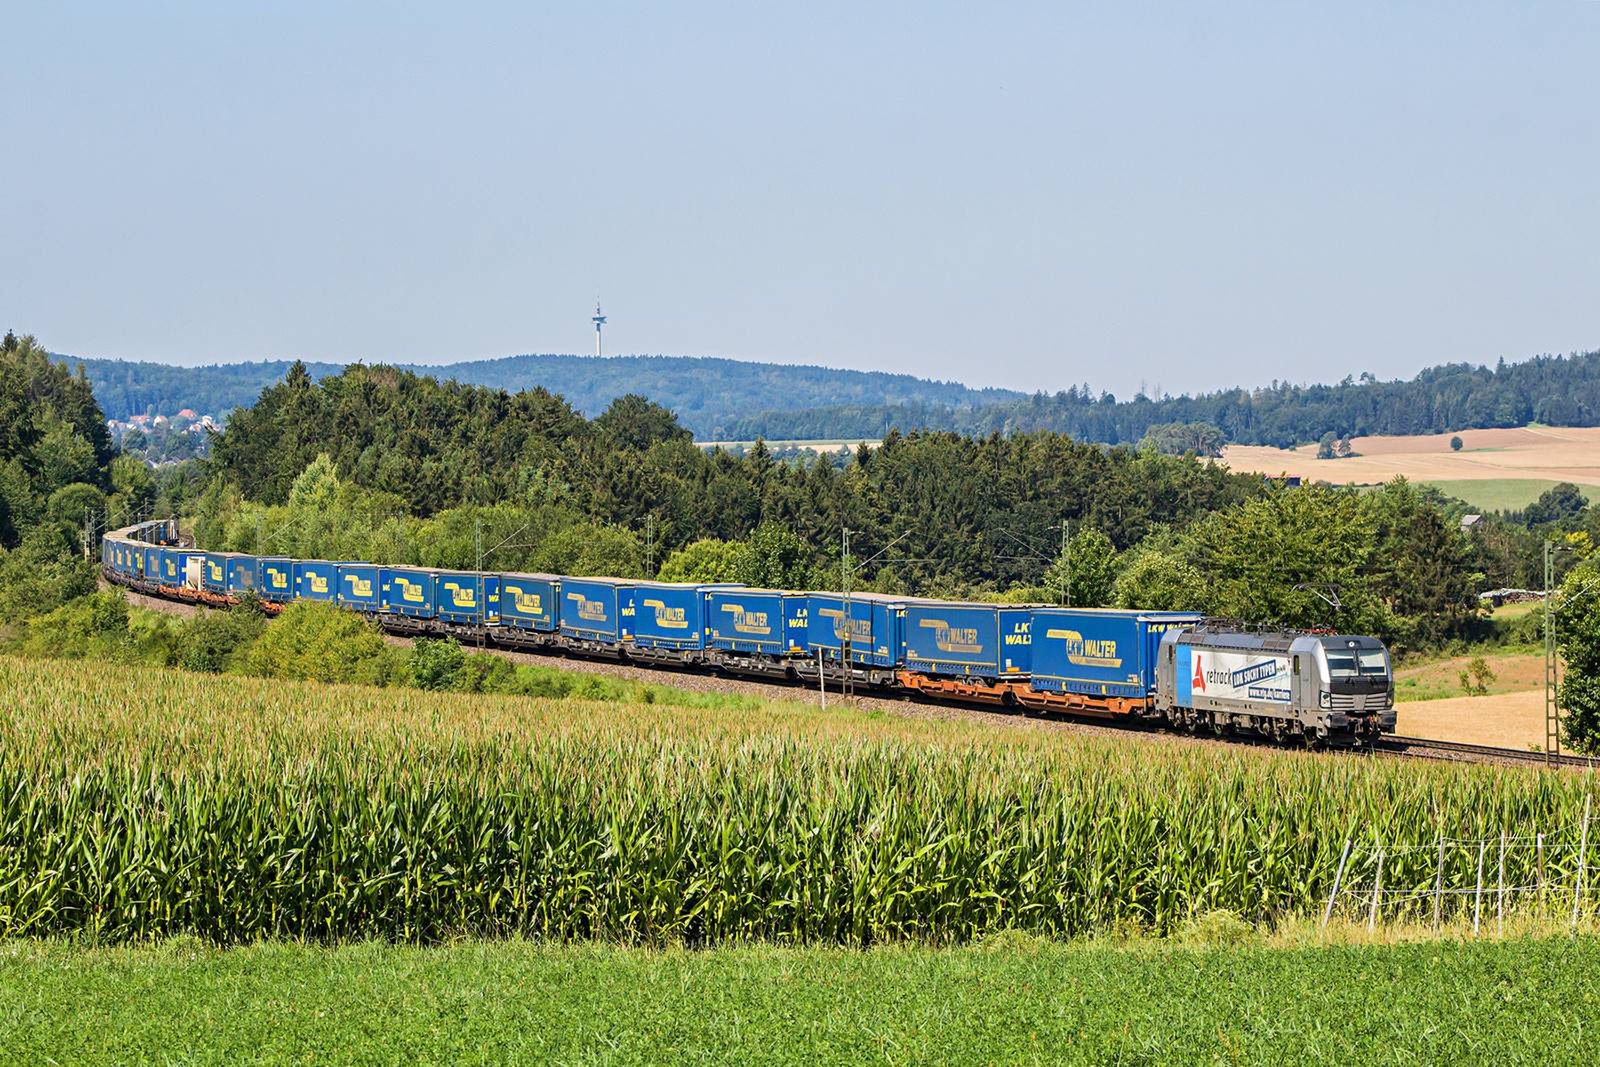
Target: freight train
(1153, 667)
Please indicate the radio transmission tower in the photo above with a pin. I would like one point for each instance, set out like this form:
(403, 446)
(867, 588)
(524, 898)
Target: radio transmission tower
(599, 320)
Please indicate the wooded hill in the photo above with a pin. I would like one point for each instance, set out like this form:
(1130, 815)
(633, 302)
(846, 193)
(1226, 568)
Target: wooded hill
(381, 464)
(729, 400)
(705, 394)
(1559, 391)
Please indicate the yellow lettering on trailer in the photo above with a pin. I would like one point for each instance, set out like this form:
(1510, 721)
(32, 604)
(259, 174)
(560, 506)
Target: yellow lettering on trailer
(947, 638)
(1087, 653)
(858, 627)
(591, 610)
(748, 622)
(528, 602)
(668, 618)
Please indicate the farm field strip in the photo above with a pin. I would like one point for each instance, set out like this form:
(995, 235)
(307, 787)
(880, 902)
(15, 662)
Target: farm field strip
(1437, 679)
(238, 809)
(1513, 465)
(1501, 494)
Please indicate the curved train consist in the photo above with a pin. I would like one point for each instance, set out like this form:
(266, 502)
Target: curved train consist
(1178, 668)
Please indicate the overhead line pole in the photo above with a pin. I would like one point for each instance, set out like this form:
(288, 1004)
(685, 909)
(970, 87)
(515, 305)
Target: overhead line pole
(1552, 688)
(846, 686)
(1066, 555)
(1552, 653)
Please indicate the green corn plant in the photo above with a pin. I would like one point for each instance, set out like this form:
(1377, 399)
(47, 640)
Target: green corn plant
(159, 802)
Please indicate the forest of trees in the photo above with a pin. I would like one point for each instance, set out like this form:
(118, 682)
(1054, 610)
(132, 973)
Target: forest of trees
(961, 504)
(728, 400)
(704, 393)
(382, 464)
(1560, 391)
(58, 474)
(56, 458)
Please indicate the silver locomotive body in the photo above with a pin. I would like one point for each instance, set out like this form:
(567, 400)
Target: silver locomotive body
(1322, 688)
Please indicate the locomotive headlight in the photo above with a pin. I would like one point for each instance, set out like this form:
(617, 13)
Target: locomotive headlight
(1325, 699)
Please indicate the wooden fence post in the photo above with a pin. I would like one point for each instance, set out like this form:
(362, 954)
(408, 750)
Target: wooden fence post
(1377, 890)
(1438, 881)
(1337, 878)
(1583, 861)
(1477, 897)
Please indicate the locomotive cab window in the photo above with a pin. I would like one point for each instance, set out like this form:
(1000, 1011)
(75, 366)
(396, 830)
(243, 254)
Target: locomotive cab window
(1350, 663)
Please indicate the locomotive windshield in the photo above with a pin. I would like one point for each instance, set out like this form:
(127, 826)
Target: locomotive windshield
(1347, 663)
(1360, 660)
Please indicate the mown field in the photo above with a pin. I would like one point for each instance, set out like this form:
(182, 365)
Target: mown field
(1496, 470)
(1512, 671)
(158, 802)
(1499, 494)
(1515, 1001)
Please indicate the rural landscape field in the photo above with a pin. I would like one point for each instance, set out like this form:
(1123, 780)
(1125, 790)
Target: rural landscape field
(1495, 469)
(653, 534)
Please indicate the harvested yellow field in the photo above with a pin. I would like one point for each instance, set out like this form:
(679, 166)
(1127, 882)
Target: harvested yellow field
(1545, 453)
(1441, 678)
(1509, 720)
(1511, 714)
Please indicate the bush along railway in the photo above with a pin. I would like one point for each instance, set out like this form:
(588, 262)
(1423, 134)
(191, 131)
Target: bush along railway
(1139, 667)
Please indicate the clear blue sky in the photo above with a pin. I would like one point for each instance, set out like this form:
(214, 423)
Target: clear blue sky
(1185, 195)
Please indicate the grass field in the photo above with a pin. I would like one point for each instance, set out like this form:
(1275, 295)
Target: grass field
(1517, 610)
(1499, 494)
(1516, 1001)
(237, 809)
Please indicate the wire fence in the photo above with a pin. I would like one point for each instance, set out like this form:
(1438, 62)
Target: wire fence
(1486, 879)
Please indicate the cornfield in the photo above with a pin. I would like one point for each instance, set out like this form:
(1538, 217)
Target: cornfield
(154, 802)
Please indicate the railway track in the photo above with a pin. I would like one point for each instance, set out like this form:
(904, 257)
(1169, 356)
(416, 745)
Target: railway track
(1461, 752)
(1394, 745)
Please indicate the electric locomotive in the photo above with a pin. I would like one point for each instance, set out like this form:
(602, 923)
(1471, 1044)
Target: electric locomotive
(1333, 689)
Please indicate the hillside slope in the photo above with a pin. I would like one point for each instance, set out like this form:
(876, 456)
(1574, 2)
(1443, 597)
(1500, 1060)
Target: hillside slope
(1555, 390)
(731, 400)
(707, 394)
